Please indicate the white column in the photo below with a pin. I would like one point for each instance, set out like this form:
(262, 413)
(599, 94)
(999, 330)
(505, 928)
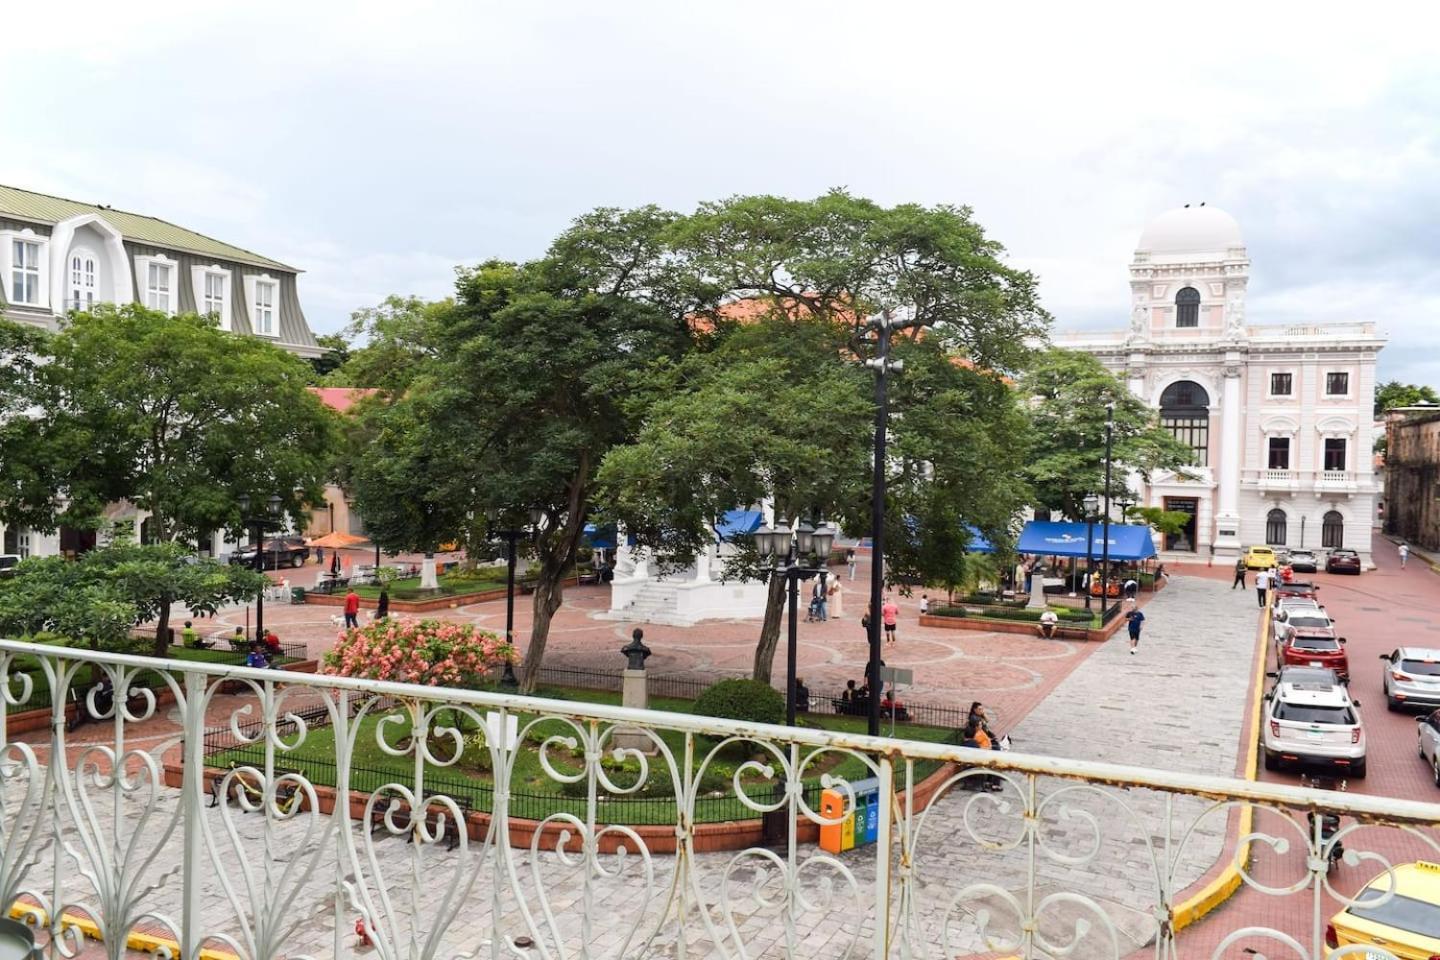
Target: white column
(1227, 514)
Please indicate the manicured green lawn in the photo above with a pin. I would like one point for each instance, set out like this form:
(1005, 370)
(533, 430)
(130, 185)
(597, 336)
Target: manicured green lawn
(409, 588)
(534, 793)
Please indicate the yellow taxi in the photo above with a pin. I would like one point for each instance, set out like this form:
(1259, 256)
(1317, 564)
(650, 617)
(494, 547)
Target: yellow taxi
(1406, 924)
(1260, 558)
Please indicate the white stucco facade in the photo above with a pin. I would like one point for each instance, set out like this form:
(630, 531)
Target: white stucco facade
(1279, 416)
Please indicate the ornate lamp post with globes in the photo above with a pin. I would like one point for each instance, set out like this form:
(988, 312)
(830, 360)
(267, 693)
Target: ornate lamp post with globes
(510, 536)
(1092, 507)
(786, 550)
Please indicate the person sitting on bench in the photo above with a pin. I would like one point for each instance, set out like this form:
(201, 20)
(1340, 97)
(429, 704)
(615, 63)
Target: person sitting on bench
(1049, 622)
(190, 639)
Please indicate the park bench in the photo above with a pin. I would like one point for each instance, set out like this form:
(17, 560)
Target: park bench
(286, 795)
(433, 815)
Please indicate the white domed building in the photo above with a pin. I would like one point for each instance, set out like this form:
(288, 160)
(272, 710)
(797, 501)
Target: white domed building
(1278, 417)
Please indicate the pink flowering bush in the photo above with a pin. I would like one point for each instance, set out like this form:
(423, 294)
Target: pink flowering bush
(433, 653)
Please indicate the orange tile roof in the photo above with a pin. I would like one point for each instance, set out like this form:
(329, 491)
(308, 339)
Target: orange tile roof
(340, 399)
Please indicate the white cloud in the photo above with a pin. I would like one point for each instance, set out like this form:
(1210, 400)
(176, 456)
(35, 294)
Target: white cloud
(376, 146)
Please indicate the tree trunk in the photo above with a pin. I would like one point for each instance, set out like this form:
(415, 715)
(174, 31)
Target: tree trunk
(428, 580)
(162, 630)
(770, 629)
(548, 595)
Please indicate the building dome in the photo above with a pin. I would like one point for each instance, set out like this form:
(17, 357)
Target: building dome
(1195, 230)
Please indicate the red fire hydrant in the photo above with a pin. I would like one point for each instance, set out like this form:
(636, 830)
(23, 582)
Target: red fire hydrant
(361, 932)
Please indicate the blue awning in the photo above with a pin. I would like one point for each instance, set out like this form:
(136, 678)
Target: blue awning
(978, 541)
(738, 523)
(601, 538)
(1054, 539)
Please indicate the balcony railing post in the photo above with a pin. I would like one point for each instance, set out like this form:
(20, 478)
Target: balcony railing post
(192, 792)
(884, 856)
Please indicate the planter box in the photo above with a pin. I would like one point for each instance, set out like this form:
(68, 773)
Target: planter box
(409, 606)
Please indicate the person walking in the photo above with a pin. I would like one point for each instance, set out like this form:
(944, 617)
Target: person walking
(924, 604)
(382, 606)
(890, 616)
(850, 561)
(319, 556)
(1135, 618)
(352, 610)
(1262, 586)
(1404, 554)
(1239, 580)
(821, 594)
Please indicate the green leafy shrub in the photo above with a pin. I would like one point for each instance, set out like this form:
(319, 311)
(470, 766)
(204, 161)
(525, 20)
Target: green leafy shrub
(740, 699)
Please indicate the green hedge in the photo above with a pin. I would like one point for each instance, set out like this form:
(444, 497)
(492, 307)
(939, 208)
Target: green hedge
(1065, 615)
(741, 699)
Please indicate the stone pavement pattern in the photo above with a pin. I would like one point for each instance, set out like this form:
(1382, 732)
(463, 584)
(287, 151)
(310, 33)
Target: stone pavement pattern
(1177, 705)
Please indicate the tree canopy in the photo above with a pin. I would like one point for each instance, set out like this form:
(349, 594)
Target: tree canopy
(1393, 393)
(171, 414)
(101, 596)
(1067, 392)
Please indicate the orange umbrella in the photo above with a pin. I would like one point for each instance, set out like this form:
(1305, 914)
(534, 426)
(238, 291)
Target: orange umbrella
(336, 540)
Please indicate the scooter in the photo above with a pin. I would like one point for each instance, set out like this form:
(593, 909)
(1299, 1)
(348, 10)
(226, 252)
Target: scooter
(1329, 822)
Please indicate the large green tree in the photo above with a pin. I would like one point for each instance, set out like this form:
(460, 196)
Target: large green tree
(524, 379)
(1067, 393)
(29, 458)
(962, 318)
(100, 597)
(173, 415)
(1393, 393)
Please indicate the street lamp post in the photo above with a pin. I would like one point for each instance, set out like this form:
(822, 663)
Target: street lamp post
(511, 536)
(883, 367)
(257, 524)
(1092, 504)
(785, 549)
(1105, 523)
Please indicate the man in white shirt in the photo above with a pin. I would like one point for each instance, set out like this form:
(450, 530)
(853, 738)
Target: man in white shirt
(1048, 623)
(1262, 585)
(1404, 554)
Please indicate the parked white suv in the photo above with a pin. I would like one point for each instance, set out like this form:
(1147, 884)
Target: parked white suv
(1310, 719)
(8, 563)
(1411, 677)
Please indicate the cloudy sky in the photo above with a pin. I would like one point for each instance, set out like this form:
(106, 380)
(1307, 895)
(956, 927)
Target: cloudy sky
(378, 145)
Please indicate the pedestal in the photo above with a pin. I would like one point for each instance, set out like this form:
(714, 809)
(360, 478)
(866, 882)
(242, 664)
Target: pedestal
(634, 692)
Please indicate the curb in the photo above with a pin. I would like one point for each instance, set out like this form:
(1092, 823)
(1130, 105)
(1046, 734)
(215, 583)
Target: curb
(1220, 889)
(149, 943)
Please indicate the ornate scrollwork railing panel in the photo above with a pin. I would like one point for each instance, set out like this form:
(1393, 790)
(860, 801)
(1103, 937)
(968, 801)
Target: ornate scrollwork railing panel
(292, 816)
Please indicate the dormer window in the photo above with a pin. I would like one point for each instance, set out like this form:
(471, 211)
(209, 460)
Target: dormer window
(158, 286)
(25, 272)
(82, 280)
(263, 296)
(211, 288)
(158, 278)
(1187, 307)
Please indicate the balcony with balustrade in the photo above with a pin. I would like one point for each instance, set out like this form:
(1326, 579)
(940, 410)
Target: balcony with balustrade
(1273, 480)
(227, 810)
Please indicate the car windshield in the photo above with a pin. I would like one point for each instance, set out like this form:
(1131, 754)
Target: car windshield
(1310, 713)
(1308, 620)
(1402, 913)
(1323, 644)
(1421, 668)
(1342, 554)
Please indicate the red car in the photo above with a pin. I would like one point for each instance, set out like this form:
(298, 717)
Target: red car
(1342, 561)
(1306, 638)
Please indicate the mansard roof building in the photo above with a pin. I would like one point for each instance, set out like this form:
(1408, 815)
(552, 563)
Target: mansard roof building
(60, 255)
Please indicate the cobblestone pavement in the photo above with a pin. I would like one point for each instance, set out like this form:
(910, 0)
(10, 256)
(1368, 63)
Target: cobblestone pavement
(1178, 704)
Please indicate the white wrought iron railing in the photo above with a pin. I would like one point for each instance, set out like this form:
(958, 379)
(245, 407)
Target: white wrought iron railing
(241, 854)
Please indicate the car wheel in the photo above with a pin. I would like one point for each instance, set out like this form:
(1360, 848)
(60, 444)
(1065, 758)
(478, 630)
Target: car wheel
(1272, 762)
(1435, 768)
(1357, 769)
(297, 561)
(1392, 704)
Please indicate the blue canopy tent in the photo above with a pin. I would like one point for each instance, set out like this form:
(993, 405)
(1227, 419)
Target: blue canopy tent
(978, 541)
(1056, 539)
(738, 523)
(600, 539)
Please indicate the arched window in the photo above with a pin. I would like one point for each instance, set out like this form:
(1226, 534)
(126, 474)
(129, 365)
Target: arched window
(82, 280)
(1332, 530)
(1185, 412)
(1275, 527)
(1187, 307)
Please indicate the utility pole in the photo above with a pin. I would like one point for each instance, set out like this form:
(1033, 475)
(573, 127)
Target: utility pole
(883, 366)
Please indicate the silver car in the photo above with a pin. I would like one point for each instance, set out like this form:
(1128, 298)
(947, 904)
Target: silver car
(1313, 722)
(1411, 676)
(1428, 727)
